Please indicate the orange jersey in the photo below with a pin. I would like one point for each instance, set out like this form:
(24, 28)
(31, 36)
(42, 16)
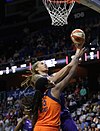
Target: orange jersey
(46, 128)
(50, 115)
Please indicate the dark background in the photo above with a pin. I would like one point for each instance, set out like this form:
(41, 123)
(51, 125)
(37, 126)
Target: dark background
(20, 16)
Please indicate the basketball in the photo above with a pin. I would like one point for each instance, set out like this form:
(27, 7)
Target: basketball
(77, 36)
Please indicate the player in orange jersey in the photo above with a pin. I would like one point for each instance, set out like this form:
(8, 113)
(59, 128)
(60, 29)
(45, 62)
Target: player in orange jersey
(49, 118)
(41, 68)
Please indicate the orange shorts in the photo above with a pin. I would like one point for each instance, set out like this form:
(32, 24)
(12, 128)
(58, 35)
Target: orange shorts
(45, 128)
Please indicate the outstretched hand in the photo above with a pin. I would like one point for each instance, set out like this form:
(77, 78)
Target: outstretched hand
(81, 52)
(78, 55)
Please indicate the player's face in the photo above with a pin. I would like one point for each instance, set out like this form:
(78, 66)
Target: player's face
(42, 67)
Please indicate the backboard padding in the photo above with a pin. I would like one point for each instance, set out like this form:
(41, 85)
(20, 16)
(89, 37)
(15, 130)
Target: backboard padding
(93, 4)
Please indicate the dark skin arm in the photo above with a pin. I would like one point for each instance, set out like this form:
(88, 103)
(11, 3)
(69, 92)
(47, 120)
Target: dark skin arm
(59, 87)
(20, 123)
(57, 77)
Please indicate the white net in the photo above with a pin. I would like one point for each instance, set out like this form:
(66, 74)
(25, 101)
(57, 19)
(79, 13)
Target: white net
(58, 11)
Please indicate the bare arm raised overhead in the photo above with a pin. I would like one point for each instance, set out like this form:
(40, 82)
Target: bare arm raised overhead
(59, 87)
(64, 71)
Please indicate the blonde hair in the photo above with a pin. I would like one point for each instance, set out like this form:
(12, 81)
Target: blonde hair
(33, 71)
(30, 80)
(27, 82)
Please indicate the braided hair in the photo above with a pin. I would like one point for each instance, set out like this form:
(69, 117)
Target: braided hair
(29, 81)
(33, 104)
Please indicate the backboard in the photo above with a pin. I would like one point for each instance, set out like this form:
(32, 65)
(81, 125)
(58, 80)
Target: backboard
(93, 4)
(59, 10)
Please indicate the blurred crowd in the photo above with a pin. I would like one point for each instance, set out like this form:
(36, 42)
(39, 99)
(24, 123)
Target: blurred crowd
(84, 106)
(49, 41)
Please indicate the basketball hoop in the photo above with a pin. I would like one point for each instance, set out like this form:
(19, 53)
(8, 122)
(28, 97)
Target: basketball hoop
(59, 10)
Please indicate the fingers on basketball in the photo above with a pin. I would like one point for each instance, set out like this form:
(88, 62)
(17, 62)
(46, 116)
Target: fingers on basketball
(78, 38)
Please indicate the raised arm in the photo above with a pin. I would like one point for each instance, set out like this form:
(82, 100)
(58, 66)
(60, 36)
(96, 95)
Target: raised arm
(20, 123)
(65, 70)
(62, 84)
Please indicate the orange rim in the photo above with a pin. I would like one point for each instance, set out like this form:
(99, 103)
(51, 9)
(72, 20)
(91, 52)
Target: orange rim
(63, 1)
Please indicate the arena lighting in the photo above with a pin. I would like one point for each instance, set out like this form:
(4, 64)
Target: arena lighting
(51, 62)
(7, 70)
(93, 48)
(14, 69)
(98, 55)
(88, 56)
(92, 55)
(66, 59)
(85, 56)
(30, 66)
(23, 65)
(1, 72)
(61, 61)
(22, 68)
